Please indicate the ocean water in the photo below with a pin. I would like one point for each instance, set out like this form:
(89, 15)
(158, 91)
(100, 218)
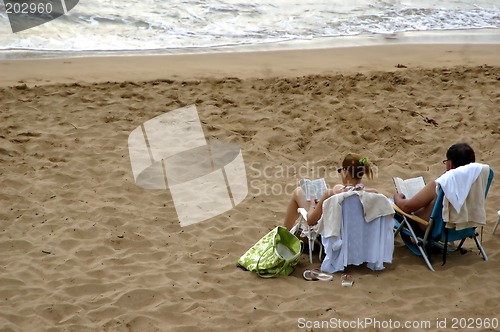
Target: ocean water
(131, 25)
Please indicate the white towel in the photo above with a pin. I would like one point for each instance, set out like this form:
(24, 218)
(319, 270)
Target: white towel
(472, 212)
(456, 183)
(374, 206)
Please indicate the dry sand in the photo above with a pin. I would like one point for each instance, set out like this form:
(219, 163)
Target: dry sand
(84, 249)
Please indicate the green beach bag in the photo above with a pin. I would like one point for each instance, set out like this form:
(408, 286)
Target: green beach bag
(275, 254)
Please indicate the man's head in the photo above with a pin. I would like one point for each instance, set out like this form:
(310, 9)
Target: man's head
(460, 154)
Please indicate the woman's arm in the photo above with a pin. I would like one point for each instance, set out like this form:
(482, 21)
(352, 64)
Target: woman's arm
(316, 210)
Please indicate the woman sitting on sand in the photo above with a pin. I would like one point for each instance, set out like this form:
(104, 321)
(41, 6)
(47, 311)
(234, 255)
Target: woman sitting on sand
(421, 204)
(353, 168)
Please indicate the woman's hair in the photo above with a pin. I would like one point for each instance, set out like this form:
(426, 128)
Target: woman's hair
(460, 154)
(357, 166)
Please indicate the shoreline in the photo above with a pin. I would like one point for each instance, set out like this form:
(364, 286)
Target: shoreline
(477, 36)
(283, 63)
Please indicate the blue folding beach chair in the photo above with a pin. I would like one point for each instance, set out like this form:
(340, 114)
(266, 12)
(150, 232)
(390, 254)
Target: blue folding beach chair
(436, 233)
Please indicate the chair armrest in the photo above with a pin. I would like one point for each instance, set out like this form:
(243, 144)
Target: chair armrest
(411, 216)
(302, 212)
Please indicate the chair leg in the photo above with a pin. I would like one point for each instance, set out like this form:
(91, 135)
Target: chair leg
(320, 254)
(496, 225)
(480, 247)
(311, 248)
(429, 265)
(400, 226)
(424, 256)
(445, 251)
(420, 245)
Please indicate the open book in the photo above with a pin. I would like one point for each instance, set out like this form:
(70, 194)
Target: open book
(409, 187)
(313, 188)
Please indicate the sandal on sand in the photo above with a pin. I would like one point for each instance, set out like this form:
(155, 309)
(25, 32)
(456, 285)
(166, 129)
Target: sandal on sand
(315, 275)
(347, 280)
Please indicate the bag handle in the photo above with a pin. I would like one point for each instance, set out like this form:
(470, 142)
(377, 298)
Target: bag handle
(269, 275)
(285, 263)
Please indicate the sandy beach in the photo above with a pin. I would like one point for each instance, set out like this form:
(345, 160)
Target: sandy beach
(85, 249)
